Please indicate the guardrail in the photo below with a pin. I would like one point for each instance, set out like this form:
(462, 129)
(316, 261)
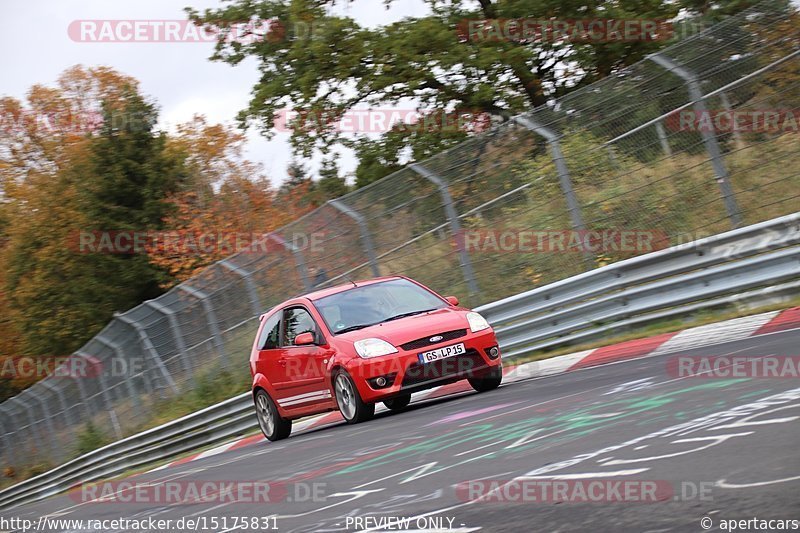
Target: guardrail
(666, 283)
(208, 426)
(698, 275)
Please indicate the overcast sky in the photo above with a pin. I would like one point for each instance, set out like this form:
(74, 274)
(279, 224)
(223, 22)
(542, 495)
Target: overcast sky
(36, 48)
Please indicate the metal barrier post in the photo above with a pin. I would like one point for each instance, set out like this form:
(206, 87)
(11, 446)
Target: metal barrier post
(6, 434)
(149, 348)
(103, 382)
(247, 276)
(48, 422)
(35, 428)
(709, 139)
(211, 318)
(81, 388)
(564, 179)
(455, 224)
(366, 239)
(737, 137)
(175, 327)
(299, 260)
(84, 399)
(61, 399)
(662, 138)
(132, 392)
(561, 168)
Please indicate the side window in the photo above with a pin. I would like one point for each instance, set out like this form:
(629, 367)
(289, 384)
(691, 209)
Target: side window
(270, 333)
(296, 321)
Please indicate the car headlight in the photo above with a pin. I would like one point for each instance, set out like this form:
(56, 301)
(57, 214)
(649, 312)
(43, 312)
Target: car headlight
(367, 348)
(476, 322)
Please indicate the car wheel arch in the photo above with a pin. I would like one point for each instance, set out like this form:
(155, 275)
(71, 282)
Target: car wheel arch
(260, 382)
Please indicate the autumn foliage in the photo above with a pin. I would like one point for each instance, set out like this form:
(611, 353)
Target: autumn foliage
(86, 155)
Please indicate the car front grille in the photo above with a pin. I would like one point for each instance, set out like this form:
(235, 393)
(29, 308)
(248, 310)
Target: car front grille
(426, 341)
(419, 373)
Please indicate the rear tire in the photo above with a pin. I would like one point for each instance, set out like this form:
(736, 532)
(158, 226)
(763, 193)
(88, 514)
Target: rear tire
(352, 407)
(489, 381)
(397, 403)
(273, 426)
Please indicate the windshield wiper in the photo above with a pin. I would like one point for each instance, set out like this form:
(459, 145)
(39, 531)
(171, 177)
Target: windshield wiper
(412, 313)
(355, 327)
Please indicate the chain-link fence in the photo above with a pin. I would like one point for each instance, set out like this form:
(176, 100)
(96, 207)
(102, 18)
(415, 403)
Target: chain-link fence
(692, 141)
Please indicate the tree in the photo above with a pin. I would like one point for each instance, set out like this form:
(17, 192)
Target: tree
(330, 185)
(67, 181)
(225, 198)
(323, 64)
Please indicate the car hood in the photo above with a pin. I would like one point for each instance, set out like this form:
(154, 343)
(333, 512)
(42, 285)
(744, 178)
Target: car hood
(410, 328)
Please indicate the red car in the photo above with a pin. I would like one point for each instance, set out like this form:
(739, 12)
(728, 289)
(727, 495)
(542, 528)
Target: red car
(351, 346)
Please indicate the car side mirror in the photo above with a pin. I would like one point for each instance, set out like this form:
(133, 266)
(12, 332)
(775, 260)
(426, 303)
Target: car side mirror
(452, 300)
(304, 339)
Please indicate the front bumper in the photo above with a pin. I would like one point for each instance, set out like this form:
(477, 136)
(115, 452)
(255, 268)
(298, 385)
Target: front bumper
(406, 374)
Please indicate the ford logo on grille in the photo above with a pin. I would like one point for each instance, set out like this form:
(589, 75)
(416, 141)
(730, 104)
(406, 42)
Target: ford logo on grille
(436, 338)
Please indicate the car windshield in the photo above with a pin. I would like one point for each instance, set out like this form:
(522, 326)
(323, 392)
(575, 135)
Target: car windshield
(372, 304)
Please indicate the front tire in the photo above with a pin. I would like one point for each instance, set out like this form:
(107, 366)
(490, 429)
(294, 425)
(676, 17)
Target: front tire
(352, 407)
(489, 381)
(398, 402)
(273, 426)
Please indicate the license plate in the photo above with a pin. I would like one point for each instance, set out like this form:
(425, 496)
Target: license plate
(442, 353)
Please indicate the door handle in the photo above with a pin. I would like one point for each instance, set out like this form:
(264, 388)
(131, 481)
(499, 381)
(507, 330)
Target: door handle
(282, 362)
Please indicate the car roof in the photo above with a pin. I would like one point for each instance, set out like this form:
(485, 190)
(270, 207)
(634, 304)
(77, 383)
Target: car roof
(322, 293)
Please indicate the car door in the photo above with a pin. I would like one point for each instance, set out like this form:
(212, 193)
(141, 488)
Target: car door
(269, 353)
(304, 366)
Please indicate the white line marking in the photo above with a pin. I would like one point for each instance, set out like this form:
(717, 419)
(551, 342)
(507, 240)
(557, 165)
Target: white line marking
(725, 485)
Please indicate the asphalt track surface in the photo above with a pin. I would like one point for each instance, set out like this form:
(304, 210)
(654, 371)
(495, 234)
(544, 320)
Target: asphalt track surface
(727, 448)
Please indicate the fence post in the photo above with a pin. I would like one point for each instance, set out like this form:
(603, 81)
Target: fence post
(147, 345)
(175, 327)
(81, 388)
(662, 138)
(561, 168)
(42, 438)
(737, 138)
(48, 422)
(211, 318)
(64, 407)
(82, 392)
(104, 393)
(366, 238)
(455, 224)
(709, 138)
(564, 179)
(612, 158)
(132, 392)
(299, 260)
(18, 421)
(6, 434)
(18, 418)
(103, 384)
(247, 276)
